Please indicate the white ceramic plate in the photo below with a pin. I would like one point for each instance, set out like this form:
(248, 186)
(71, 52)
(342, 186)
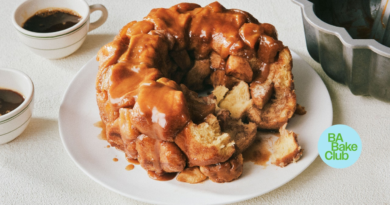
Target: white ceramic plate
(79, 112)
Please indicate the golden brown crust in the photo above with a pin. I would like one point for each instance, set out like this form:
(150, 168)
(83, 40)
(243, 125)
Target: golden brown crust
(204, 144)
(128, 133)
(279, 110)
(113, 135)
(225, 171)
(261, 93)
(159, 156)
(172, 158)
(262, 88)
(217, 63)
(161, 110)
(191, 175)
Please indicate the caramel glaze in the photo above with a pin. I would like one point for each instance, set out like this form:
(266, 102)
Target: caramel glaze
(132, 66)
(159, 156)
(129, 167)
(128, 133)
(258, 153)
(262, 73)
(102, 134)
(133, 161)
(125, 80)
(162, 177)
(161, 110)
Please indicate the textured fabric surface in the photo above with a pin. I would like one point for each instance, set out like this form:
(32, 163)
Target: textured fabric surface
(35, 169)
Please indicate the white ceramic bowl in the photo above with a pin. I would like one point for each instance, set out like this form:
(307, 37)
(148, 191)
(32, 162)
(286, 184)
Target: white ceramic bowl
(15, 122)
(62, 43)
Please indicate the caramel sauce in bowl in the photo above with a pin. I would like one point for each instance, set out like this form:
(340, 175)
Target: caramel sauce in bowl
(18, 113)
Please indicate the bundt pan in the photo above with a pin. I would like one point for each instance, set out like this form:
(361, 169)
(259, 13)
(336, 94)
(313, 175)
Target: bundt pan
(337, 35)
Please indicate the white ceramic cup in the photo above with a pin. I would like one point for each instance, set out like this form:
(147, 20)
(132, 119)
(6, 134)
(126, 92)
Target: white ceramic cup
(62, 43)
(15, 122)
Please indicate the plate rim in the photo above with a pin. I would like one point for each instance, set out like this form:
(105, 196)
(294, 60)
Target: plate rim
(247, 197)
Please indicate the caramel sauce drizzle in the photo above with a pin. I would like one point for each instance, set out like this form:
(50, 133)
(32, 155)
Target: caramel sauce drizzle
(258, 153)
(163, 177)
(133, 161)
(164, 109)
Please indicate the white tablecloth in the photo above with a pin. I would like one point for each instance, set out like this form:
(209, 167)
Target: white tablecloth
(35, 169)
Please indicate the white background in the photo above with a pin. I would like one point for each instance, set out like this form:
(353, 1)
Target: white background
(35, 168)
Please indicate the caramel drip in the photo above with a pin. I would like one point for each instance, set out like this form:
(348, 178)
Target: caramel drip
(262, 73)
(129, 167)
(250, 33)
(102, 135)
(125, 80)
(133, 161)
(163, 109)
(258, 153)
(140, 27)
(162, 177)
(173, 23)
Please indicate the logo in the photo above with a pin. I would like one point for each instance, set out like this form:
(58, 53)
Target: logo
(339, 146)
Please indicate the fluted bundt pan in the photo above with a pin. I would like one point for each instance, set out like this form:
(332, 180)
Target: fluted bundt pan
(345, 51)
